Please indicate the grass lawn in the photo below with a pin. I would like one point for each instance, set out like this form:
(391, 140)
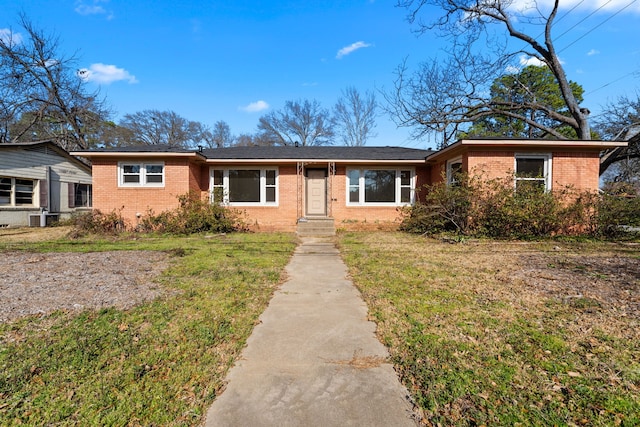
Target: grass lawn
(506, 333)
(160, 363)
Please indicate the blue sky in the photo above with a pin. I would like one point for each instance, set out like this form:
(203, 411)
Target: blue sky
(235, 60)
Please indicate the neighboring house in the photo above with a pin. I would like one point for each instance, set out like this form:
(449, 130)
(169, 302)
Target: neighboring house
(41, 182)
(276, 187)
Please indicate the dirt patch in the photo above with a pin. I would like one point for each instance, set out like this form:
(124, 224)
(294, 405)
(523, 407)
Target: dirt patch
(588, 283)
(39, 283)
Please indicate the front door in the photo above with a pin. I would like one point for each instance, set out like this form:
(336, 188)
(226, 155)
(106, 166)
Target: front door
(316, 192)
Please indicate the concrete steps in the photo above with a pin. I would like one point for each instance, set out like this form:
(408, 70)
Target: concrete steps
(311, 227)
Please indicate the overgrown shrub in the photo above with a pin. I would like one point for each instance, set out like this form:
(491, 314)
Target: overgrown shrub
(97, 222)
(493, 208)
(193, 216)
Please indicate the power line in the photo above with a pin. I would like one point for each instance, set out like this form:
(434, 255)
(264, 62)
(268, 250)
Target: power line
(610, 83)
(584, 19)
(600, 24)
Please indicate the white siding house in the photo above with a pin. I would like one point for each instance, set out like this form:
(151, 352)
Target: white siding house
(40, 177)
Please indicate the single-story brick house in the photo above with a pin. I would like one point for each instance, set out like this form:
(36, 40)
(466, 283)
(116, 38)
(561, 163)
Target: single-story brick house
(276, 187)
(41, 182)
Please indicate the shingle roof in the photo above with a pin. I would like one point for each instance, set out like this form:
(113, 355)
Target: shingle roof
(306, 153)
(316, 153)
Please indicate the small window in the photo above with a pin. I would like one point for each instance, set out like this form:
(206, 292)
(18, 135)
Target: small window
(533, 170)
(454, 169)
(354, 185)
(141, 174)
(82, 195)
(406, 187)
(5, 191)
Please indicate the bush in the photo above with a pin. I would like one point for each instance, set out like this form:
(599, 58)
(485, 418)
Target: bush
(492, 208)
(193, 216)
(97, 222)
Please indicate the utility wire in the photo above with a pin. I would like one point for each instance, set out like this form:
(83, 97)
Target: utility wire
(600, 24)
(584, 19)
(610, 83)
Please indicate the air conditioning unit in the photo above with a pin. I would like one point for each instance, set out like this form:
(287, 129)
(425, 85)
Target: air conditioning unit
(43, 219)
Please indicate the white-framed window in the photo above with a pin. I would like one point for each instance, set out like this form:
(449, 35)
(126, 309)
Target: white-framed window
(533, 170)
(133, 174)
(17, 191)
(380, 186)
(244, 186)
(454, 169)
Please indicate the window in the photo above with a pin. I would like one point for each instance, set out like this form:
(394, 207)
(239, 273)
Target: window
(141, 174)
(454, 169)
(16, 191)
(380, 186)
(533, 170)
(82, 196)
(244, 186)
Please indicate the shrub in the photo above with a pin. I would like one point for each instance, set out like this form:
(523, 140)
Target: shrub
(193, 216)
(492, 208)
(98, 223)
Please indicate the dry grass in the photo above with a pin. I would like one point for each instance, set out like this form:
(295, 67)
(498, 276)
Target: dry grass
(507, 332)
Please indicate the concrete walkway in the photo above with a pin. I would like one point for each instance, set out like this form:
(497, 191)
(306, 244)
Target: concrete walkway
(314, 360)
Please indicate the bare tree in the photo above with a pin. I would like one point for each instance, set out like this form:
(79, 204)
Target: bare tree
(620, 121)
(42, 96)
(305, 122)
(221, 135)
(445, 97)
(150, 127)
(355, 116)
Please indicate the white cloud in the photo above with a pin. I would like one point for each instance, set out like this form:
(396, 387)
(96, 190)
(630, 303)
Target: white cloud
(92, 7)
(351, 48)
(255, 107)
(6, 35)
(105, 74)
(593, 52)
(531, 60)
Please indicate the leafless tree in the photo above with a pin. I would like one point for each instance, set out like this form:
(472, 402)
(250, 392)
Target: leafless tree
(221, 135)
(620, 121)
(355, 116)
(150, 127)
(445, 96)
(305, 122)
(42, 95)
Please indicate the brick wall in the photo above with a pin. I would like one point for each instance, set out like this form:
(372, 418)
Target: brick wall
(107, 196)
(578, 170)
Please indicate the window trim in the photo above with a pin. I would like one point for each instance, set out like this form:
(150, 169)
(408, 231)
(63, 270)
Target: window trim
(547, 168)
(398, 186)
(142, 174)
(263, 185)
(13, 193)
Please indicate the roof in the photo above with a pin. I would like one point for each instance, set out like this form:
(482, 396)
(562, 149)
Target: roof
(522, 144)
(271, 153)
(48, 145)
(317, 153)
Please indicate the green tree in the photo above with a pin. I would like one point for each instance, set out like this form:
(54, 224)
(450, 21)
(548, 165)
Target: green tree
(528, 104)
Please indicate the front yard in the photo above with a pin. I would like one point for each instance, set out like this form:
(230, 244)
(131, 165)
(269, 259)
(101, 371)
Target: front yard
(481, 332)
(507, 333)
